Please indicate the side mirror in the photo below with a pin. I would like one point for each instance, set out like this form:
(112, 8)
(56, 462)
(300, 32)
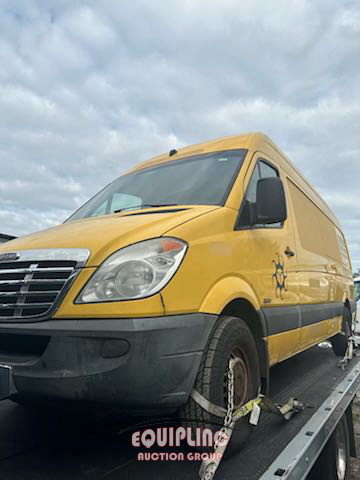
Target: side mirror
(270, 201)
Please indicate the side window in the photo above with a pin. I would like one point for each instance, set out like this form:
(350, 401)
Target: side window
(250, 195)
(267, 170)
(248, 207)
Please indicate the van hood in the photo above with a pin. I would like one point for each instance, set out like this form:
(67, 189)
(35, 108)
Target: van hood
(106, 234)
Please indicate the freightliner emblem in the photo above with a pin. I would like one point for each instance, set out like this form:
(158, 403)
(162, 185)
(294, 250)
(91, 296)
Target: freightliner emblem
(9, 257)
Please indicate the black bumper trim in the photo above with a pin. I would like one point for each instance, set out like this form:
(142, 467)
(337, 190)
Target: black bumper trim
(108, 327)
(156, 372)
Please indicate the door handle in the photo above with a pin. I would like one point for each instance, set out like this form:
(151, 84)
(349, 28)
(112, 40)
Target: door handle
(289, 252)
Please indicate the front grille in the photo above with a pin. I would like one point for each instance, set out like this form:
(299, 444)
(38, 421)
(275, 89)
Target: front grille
(32, 288)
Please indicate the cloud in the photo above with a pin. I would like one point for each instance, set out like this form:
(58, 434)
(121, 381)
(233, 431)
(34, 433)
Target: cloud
(88, 89)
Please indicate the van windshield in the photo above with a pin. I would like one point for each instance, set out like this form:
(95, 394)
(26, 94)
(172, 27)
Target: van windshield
(197, 180)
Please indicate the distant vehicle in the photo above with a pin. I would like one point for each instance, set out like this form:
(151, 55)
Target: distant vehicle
(212, 262)
(357, 298)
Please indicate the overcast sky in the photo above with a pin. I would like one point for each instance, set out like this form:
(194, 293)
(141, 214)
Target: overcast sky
(89, 88)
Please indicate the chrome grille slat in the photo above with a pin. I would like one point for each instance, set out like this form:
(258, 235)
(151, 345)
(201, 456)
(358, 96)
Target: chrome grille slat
(25, 305)
(33, 281)
(31, 287)
(33, 293)
(36, 270)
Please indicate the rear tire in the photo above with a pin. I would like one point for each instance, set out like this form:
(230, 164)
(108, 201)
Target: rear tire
(340, 341)
(231, 338)
(334, 461)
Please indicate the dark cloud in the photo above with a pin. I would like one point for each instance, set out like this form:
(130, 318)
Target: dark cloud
(88, 89)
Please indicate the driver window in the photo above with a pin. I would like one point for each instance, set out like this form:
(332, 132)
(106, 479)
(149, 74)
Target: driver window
(248, 208)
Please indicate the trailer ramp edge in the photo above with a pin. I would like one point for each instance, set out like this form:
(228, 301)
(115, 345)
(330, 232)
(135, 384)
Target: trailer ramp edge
(297, 459)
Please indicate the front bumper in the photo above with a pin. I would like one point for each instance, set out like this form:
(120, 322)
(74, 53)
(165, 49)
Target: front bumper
(139, 364)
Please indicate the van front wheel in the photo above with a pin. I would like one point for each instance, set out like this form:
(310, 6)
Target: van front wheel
(231, 339)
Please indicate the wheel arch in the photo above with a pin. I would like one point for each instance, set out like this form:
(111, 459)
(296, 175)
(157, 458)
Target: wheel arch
(226, 290)
(255, 320)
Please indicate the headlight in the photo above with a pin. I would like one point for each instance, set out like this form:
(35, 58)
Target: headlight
(137, 271)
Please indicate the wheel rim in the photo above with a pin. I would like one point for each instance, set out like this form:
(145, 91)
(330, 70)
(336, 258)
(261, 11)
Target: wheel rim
(241, 379)
(341, 458)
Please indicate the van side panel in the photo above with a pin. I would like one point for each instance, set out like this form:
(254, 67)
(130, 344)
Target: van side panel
(319, 261)
(324, 268)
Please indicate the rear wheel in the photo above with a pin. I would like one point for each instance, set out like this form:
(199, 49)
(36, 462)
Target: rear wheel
(334, 460)
(340, 341)
(231, 340)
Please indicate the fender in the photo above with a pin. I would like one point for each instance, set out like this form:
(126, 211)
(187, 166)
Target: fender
(224, 291)
(235, 288)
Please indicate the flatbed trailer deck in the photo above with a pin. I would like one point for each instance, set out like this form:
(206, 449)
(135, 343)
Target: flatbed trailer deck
(55, 447)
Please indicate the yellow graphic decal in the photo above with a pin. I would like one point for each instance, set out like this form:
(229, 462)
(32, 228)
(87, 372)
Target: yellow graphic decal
(279, 277)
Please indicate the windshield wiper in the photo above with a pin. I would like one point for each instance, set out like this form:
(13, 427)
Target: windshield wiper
(139, 207)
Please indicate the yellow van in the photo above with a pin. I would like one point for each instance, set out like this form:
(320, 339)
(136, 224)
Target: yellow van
(219, 254)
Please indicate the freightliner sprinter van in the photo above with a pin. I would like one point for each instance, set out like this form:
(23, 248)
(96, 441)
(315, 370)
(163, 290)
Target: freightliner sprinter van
(216, 253)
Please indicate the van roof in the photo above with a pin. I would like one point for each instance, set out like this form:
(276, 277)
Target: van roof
(246, 140)
(256, 141)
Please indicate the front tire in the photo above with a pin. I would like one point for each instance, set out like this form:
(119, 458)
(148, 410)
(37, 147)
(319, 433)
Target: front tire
(231, 339)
